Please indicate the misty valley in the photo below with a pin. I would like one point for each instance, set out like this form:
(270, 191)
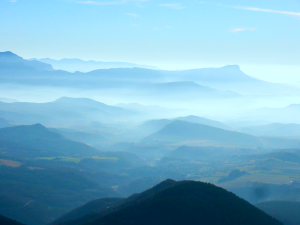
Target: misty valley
(108, 143)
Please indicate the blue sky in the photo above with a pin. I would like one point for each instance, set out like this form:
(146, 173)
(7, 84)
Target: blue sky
(262, 36)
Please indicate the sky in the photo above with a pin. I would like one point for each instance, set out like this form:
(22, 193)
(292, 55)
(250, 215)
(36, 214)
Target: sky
(262, 36)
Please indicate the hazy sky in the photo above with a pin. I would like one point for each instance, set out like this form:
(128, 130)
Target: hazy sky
(263, 36)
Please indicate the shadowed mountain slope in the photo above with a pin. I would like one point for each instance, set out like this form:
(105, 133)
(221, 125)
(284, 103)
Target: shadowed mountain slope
(41, 138)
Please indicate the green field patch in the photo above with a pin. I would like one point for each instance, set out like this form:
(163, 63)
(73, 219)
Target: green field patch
(65, 159)
(69, 159)
(77, 160)
(104, 158)
(45, 158)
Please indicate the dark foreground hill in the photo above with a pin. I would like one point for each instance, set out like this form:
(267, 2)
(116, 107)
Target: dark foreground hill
(7, 221)
(185, 202)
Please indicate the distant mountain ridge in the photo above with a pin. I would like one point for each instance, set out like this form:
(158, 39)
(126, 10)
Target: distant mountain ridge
(73, 65)
(9, 60)
(230, 73)
(232, 78)
(64, 110)
(228, 80)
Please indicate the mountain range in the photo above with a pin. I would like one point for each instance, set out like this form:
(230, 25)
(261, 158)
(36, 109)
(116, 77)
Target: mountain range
(228, 81)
